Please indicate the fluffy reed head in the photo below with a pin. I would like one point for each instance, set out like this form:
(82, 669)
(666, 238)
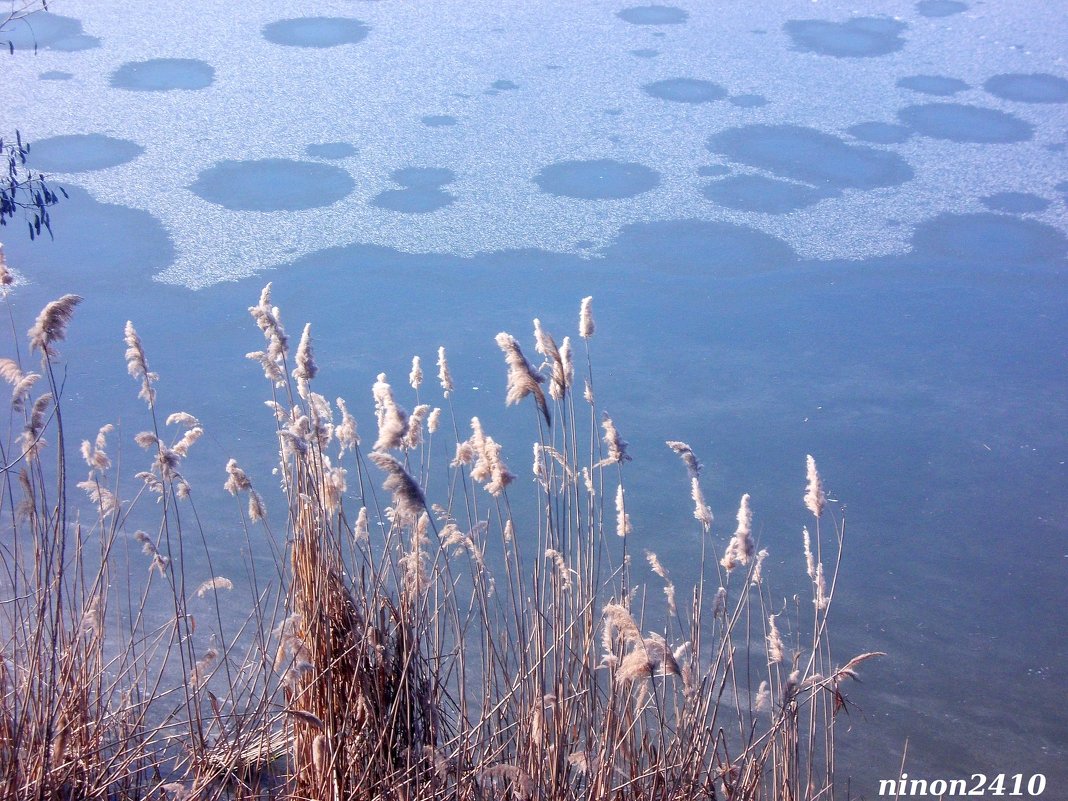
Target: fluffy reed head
(774, 639)
(408, 499)
(701, 511)
(685, 452)
(623, 527)
(523, 379)
(51, 324)
(614, 444)
(137, 365)
(415, 377)
(346, 434)
(559, 365)
(214, 585)
(21, 383)
(444, 376)
(306, 368)
(392, 418)
(740, 548)
(586, 326)
(815, 499)
(6, 278)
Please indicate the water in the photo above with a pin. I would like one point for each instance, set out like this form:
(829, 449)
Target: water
(822, 229)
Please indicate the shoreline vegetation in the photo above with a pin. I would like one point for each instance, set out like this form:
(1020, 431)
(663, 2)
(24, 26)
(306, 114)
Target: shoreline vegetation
(405, 646)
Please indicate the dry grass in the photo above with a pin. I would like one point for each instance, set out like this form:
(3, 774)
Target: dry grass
(405, 647)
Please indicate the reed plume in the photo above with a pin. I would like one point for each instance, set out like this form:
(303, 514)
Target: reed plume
(559, 367)
(775, 647)
(6, 278)
(523, 379)
(214, 585)
(408, 499)
(237, 480)
(31, 441)
(701, 511)
(21, 383)
(414, 437)
(614, 444)
(345, 432)
(623, 527)
(306, 368)
(489, 468)
(815, 499)
(137, 365)
(586, 326)
(685, 452)
(740, 548)
(415, 377)
(392, 418)
(444, 376)
(95, 453)
(51, 324)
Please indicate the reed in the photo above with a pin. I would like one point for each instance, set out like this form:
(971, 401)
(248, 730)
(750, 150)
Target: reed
(405, 646)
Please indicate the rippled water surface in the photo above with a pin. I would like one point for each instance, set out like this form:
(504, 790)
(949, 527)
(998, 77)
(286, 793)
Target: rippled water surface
(822, 228)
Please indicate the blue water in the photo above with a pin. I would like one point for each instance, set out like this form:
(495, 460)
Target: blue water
(821, 229)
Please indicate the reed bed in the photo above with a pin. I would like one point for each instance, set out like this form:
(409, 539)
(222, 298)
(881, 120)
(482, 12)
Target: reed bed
(404, 646)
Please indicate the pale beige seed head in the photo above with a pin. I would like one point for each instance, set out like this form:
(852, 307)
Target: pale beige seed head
(821, 600)
(623, 527)
(444, 376)
(719, 604)
(688, 457)
(306, 368)
(214, 585)
(586, 326)
(758, 569)
(810, 560)
(701, 511)
(256, 510)
(237, 480)
(137, 365)
(392, 418)
(51, 324)
(415, 377)
(615, 445)
(6, 278)
(346, 434)
(775, 647)
(763, 697)
(523, 379)
(361, 531)
(815, 498)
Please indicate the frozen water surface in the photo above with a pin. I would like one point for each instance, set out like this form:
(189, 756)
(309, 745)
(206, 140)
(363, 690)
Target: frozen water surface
(880, 133)
(599, 179)
(47, 31)
(962, 123)
(932, 84)
(272, 185)
(860, 37)
(315, 31)
(396, 109)
(757, 193)
(1015, 202)
(686, 90)
(81, 153)
(163, 74)
(1033, 88)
